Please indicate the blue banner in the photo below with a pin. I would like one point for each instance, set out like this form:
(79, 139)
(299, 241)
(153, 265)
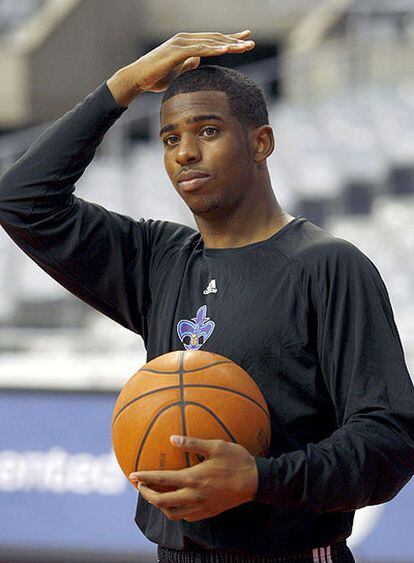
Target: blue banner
(61, 487)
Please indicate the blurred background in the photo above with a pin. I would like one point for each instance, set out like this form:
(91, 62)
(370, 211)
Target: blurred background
(338, 76)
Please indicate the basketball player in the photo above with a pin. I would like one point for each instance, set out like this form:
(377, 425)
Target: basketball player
(306, 314)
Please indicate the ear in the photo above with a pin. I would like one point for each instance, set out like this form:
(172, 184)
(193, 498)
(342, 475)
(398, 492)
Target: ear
(263, 143)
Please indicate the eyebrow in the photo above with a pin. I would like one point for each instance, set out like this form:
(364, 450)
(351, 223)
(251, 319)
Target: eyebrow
(204, 117)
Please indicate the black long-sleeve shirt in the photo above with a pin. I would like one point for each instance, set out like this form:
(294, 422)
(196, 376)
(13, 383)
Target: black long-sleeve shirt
(305, 313)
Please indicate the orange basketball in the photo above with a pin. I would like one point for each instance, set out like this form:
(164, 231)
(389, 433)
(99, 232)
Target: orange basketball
(190, 393)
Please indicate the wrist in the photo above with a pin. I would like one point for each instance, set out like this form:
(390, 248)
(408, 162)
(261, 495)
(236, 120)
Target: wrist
(265, 482)
(123, 87)
(254, 481)
(250, 481)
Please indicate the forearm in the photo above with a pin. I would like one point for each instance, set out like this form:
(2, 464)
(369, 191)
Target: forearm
(365, 462)
(84, 247)
(41, 182)
(123, 86)
(362, 367)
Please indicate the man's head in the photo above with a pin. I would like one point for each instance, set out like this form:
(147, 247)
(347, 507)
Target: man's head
(214, 121)
(245, 98)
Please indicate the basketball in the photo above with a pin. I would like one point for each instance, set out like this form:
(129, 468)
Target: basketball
(190, 393)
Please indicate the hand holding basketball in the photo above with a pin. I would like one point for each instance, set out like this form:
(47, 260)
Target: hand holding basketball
(192, 393)
(226, 478)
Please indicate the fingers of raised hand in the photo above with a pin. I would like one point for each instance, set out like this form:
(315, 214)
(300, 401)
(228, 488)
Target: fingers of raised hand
(214, 35)
(208, 44)
(205, 49)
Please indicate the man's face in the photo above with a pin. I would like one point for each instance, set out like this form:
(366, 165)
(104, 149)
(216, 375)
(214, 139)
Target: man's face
(201, 137)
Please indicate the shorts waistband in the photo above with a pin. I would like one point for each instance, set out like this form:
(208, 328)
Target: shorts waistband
(333, 553)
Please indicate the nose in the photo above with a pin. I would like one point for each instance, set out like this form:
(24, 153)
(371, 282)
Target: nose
(188, 150)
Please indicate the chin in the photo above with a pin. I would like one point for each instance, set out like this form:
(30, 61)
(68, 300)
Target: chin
(204, 207)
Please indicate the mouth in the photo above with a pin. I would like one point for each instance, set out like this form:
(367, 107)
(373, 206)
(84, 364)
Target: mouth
(193, 183)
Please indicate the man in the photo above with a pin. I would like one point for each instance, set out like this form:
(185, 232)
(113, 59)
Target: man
(305, 313)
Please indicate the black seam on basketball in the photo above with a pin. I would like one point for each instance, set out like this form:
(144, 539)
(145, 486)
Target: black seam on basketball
(213, 414)
(203, 385)
(206, 385)
(182, 405)
(141, 397)
(178, 403)
(148, 430)
(185, 371)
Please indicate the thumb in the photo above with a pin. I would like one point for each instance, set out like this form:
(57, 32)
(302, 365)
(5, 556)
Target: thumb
(196, 445)
(190, 64)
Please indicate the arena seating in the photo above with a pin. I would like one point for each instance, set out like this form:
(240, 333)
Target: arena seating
(347, 164)
(12, 13)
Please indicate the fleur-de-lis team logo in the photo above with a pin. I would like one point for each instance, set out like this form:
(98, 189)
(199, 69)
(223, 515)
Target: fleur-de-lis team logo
(193, 334)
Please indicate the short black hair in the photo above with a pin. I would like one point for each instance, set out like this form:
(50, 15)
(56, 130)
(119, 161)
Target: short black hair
(246, 100)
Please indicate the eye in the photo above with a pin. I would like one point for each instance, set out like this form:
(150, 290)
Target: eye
(168, 139)
(210, 131)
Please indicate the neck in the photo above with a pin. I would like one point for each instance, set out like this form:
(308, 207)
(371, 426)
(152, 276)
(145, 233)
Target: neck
(255, 218)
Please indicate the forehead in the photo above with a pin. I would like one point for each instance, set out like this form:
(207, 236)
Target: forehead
(184, 106)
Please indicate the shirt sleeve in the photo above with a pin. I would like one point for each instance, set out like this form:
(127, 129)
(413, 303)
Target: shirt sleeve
(370, 456)
(98, 255)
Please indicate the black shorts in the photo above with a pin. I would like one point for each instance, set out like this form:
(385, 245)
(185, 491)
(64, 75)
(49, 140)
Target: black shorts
(334, 553)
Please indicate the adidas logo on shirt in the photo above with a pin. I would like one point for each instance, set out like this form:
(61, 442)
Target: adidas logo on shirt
(211, 288)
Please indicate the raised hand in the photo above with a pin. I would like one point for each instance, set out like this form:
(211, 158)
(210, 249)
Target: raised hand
(154, 71)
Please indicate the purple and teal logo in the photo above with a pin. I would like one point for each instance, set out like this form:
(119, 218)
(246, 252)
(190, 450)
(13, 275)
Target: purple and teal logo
(193, 334)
